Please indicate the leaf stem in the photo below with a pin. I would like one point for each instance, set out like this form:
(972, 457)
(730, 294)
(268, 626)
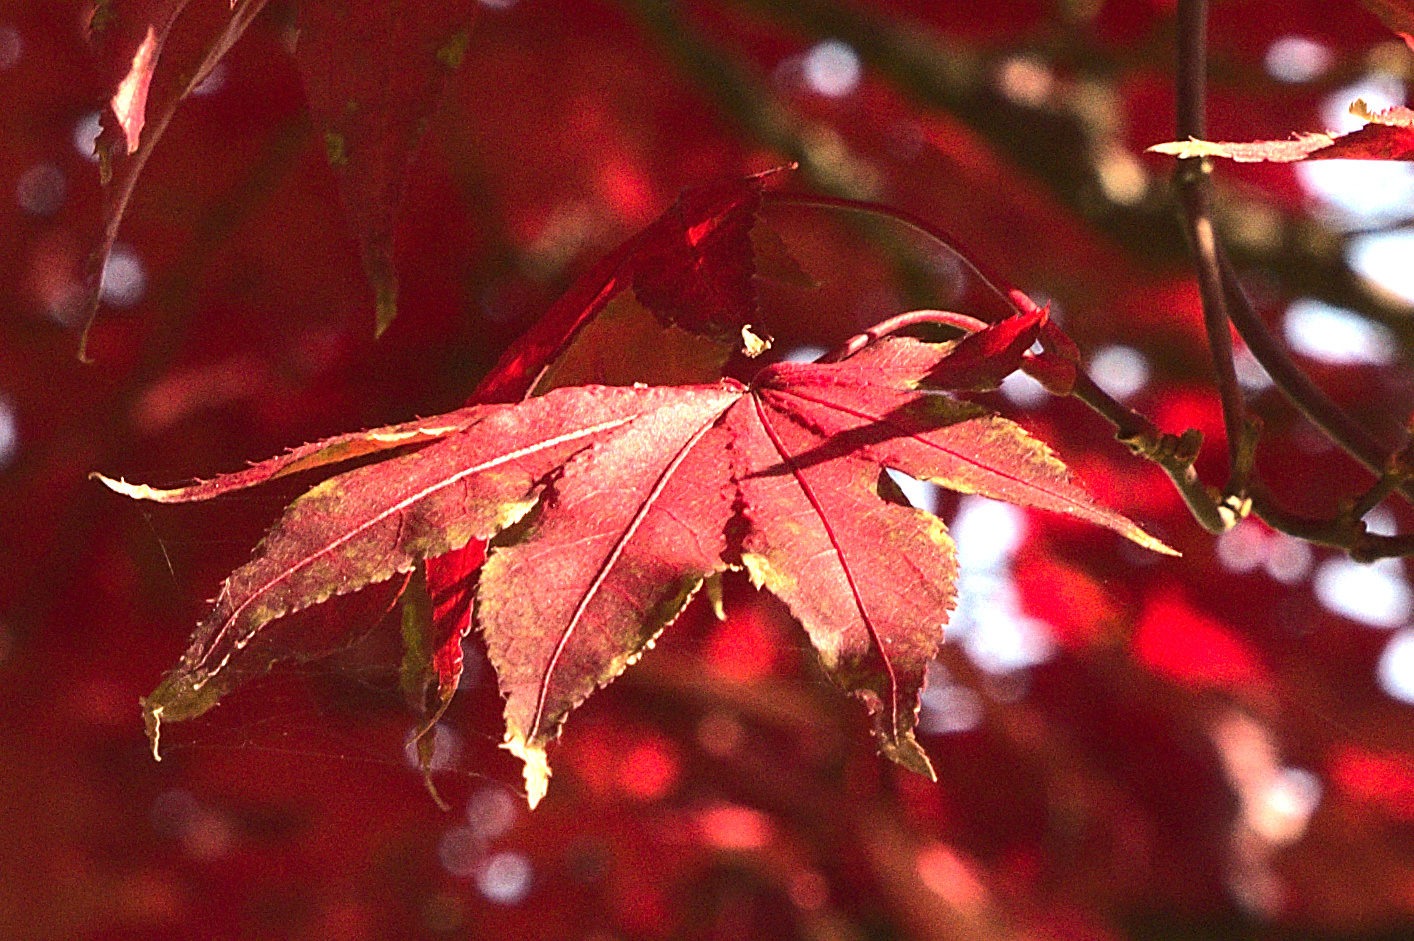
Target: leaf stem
(984, 273)
(894, 324)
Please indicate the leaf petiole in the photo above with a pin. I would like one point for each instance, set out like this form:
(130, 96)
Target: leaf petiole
(894, 324)
(984, 273)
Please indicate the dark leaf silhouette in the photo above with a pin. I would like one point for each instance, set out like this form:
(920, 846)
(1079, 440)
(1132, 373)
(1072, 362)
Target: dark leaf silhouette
(1398, 15)
(374, 71)
(633, 493)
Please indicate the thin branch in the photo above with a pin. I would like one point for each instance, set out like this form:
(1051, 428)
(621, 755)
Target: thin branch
(1191, 77)
(1322, 411)
(1397, 472)
(1191, 181)
(1175, 454)
(1341, 532)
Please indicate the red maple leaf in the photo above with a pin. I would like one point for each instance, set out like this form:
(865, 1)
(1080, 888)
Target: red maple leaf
(688, 275)
(693, 267)
(145, 98)
(624, 500)
(373, 73)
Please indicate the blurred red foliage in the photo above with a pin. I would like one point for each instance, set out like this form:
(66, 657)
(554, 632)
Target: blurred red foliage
(1199, 747)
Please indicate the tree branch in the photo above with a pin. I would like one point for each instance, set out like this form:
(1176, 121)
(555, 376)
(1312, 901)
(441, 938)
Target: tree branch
(1322, 411)
(1191, 181)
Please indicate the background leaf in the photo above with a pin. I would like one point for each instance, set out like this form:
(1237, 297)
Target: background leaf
(374, 71)
(1389, 135)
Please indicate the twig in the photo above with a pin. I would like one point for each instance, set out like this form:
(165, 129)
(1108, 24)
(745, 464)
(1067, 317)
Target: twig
(1174, 453)
(1397, 471)
(1342, 532)
(1324, 413)
(1191, 181)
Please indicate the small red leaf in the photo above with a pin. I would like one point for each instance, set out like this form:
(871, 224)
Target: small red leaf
(451, 611)
(127, 40)
(696, 265)
(981, 360)
(130, 100)
(692, 267)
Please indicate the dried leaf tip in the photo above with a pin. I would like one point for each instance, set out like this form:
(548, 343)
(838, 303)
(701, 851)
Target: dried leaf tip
(752, 343)
(537, 767)
(906, 752)
(1393, 116)
(135, 491)
(1361, 109)
(152, 723)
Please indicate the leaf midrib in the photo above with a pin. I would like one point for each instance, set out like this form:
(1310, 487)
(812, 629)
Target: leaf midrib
(789, 460)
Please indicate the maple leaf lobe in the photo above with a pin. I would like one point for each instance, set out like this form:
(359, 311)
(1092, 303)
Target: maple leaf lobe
(697, 266)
